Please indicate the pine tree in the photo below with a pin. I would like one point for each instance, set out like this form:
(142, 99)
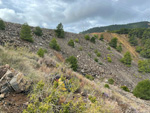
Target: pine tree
(2, 25)
(113, 42)
(127, 59)
(38, 31)
(59, 31)
(25, 33)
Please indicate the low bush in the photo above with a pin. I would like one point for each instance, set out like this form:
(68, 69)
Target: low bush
(80, 48)
(109, 59)
(106, 86)
(119, 48)
(108, 48)
(96, 60)
(53, 44)
(102, 37)
(41, 52)
(125, 88)
(142, 90)
(92, 99)
(127, 59)
(90, 77)
(98, 54)
(110, 81)
(93, 39)
(77, 40)
(71, 43)
(144, 66)
(87, 37)
(73, 62)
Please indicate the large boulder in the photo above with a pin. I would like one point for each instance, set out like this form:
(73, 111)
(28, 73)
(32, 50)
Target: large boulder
(12, 81)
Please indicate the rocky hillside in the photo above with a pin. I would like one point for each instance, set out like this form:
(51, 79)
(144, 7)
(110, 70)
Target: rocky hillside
(85, 52)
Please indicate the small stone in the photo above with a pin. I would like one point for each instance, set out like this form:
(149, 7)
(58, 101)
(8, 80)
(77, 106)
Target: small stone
(2, 96)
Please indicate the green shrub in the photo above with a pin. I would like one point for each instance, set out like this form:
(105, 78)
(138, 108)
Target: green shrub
(98, 54)
(106, 86)
(87, 37)
(108, 48)
(77, 40)
(60, 31)
(138, 49)
(96, 51)
(38, 31)
(73, 62)
(113, 42)
(119, 48)
(125, 88)
(71, 43)
(127, 59)
(109, 59)
(100, 63)
(41, 52)
(53, 44)
(92, 99)
(2, 25)
(133, 40)
(144, 66)
(102, 37)
(89, 54)
(90, 77)
(110, 81)
(93, 39)
(25, 33)
(96, 60)
(142, 90)
(80, 48)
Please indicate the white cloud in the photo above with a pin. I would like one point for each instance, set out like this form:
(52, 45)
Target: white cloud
(76, 15)
(1, 2)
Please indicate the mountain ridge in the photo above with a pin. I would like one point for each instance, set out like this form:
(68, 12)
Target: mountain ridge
(143, 24)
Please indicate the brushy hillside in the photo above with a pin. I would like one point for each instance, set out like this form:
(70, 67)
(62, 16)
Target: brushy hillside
(97, 85)
(47, 96)
(117, 27)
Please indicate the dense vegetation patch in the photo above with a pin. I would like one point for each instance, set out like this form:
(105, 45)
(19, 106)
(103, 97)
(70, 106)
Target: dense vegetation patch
(144, 66)
(142, 90)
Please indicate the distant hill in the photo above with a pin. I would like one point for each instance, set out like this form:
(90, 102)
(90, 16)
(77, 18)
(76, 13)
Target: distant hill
(144, 24)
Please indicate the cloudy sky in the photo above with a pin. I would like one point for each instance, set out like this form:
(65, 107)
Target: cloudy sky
(76, 15)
